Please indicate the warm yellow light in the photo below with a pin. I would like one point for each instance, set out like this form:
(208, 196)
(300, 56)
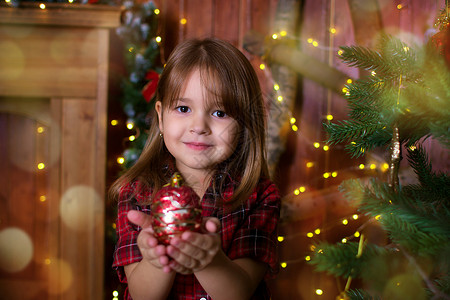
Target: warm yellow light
(114, 225)
(340, 52)
(319, 292)
(47, 261)
(373, 166)
(115, 293)
(378, 217)
(345, 221)
(315, 44)
(399, 6)
(355, 217)
(310, 40)
(344, 240)
(71, 1)
(183, 21)
(307, 258)
(114, 122)
(41, 166)
(283, 265)
(280, 98)
(294, 127)
(309, 164)
(317, 231)
(292, 120)
(297, 192)
(132, 138)
(158, 39)
(156, 11)
(42, 198)
(326, 175)
(310, 234)
(120, 160)
(345, 90)
(7, 1)
(131, 49)
(326, 148)
(283, 33)
(329, 117)
(302, 189)
(262, 66)
(312, 248)
(276, 87)
(406, 49)
(373, 73)
(385, 166)
(357, 234)
(349, 81)
(274, 36)
(130, 125)
(316, 145)
(362, 166)
(334, 174)
(42, 6)
(332, 30)
(412, 148)
(280, 238)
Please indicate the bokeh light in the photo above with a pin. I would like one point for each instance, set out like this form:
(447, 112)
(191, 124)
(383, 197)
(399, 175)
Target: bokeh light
(16, 249)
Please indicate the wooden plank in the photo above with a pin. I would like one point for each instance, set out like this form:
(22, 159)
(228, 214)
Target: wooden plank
(198, 14)
(62, 14)
(48, 62)
(226, 18)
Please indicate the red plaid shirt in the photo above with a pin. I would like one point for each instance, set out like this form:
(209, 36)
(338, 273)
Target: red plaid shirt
(248, 231)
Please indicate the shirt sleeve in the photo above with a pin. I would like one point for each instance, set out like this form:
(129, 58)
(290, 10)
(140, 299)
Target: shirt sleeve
(257, 236)
(126, 251)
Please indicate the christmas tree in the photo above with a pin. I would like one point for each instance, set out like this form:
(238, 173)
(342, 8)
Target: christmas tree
(403, 101)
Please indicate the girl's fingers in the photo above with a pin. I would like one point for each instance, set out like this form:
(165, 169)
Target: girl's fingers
(186, 261)
(139, 218)
(207, 242)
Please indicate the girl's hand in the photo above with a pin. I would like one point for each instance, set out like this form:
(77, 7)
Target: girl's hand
(193, 251)
(148, 245)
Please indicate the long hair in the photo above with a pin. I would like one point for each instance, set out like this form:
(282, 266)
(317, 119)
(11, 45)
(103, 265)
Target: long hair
(230, 80)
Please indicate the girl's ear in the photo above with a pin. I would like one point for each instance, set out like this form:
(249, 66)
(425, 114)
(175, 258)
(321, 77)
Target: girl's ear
(158, 108)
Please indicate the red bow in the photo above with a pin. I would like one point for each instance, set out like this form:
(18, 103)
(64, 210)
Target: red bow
(149, 89)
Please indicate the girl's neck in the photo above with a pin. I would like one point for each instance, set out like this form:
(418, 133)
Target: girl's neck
(199, 181)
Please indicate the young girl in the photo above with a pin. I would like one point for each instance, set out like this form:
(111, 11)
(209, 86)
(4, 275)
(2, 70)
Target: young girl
(210, 127)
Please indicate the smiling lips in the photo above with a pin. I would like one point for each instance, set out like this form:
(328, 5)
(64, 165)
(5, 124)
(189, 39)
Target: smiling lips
(197, 146)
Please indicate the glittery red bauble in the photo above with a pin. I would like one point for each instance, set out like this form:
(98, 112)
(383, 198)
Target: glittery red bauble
(441, 42)
(176, 208)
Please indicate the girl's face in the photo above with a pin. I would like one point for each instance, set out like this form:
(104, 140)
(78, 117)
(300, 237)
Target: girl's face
(197, 132)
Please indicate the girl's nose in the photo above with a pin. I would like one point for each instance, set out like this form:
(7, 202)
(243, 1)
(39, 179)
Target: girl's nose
(199, 125)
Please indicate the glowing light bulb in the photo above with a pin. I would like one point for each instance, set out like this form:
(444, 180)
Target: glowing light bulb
(345, 90)
(283, 265)
(310, 234)
(307, 258)
(315, 44)
(378, 217)
(283, 33)
(326, 148)
(131, 138)
(183, 21)
(41, 166)
(262, 66)
(280, 238)
(115, 293)
(42, 6)
(114, 122)
(373, 73)
(40, 129)
(294, 127)
(276, 87)
(332, 30)
(344, 240)
(309, 164)
(316, 145)
(120, 160)
(345, 221)
(399, 6)
(357, 234)
(42, 198)
(158, 39)
(310, 40)
(280, 98)
(326, 175)
(274, 36)
(349, 81)
(334, 174)
(292, 120)
(156, 11)
(302, 189)
(362, 166)
(296, 192)
(319, 292)
(317, 231)
(329, 117)
(355, 217)
(130, 125)
(340, 52)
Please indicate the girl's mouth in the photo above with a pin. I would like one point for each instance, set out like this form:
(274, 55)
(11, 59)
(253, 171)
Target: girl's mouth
(197, 146)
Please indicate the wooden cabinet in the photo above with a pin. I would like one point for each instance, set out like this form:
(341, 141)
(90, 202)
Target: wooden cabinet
(53, 100)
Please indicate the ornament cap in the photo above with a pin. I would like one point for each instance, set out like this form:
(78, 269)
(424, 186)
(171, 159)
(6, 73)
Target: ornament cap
(176, 180)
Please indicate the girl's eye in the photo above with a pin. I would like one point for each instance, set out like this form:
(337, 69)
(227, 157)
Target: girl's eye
(220, 114)
(183, 109)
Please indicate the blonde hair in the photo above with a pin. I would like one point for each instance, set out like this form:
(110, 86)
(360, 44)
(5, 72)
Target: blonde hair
(232, 82)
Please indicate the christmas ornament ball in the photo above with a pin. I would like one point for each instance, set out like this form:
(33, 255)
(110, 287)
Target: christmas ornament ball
(175, 209)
